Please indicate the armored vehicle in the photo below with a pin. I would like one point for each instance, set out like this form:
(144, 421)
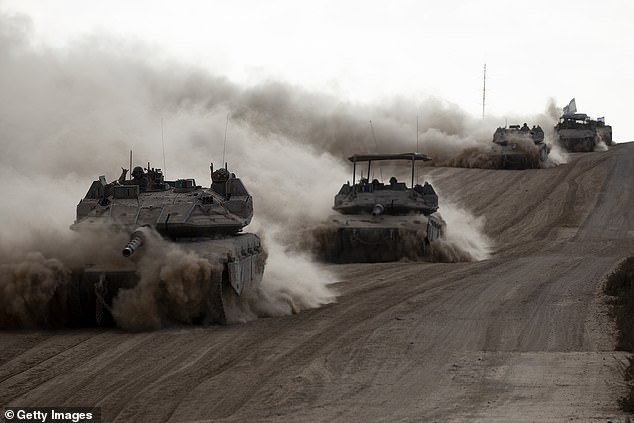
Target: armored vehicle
(578, 133)
(379, 222)
(204, 221)
(519, 147)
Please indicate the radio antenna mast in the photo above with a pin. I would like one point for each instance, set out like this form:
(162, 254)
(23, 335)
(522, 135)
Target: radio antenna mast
(224, 148)
(376, 148)
(417, 132)
(484, 89)
(373, 136)
(416, 145)
(163, 142)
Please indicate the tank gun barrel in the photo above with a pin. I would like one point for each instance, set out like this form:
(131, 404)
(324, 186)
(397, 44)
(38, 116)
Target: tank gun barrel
(378, 209)
(136, 240)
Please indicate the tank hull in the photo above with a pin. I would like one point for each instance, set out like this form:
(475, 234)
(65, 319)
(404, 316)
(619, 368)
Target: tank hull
(584, 138)
(514, 161)
(373, 239)
(519, 160)
(578, 140)
(238, 262)
(517, 149)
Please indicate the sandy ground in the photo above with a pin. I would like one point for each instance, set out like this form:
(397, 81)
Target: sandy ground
(523, 337)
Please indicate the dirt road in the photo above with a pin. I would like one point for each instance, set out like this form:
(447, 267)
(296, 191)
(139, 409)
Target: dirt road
(523, 336)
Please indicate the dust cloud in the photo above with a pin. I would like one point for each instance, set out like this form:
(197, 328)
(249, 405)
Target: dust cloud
(70, 115)
(174, 287)
(29, 291)
(36, 274)
(558, 155)
(601, 145)
(152, 303)
(464, 238)
(291, 283)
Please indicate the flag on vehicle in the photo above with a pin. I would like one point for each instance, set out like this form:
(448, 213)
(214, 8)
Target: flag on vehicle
(571, 108)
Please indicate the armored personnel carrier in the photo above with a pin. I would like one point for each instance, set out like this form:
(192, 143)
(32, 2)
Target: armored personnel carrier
(380, 222)
(205, 221)
(578, 133)
(519, 147)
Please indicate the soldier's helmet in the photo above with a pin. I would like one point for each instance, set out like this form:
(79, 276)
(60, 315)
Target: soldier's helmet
(220, 175)
(137, 172)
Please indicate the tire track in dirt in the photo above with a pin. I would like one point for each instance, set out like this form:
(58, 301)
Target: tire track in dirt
(337, 332)
(43, 363)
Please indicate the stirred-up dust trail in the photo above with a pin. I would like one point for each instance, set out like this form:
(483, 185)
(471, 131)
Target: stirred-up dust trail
(31, 291)
(173, 286)
(173, 283)
(465, 238)
(291, 283)
(35, 275)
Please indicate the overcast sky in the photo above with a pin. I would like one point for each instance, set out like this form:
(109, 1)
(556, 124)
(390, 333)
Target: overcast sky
(369, 51)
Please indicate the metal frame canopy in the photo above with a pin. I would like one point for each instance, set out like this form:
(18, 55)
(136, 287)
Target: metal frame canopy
(413, 157)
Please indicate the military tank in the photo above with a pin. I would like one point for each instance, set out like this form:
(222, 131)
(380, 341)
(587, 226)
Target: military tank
(378, 221)
(578, 133)
(205, 221)
(519, 147)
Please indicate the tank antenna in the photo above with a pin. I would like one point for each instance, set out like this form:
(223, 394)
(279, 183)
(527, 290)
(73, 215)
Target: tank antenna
(373, 136)
(484, 89)
(417, 132)
(416, 146)
(224, 147)
(376, 149)
(163, 142)
(130, 161)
